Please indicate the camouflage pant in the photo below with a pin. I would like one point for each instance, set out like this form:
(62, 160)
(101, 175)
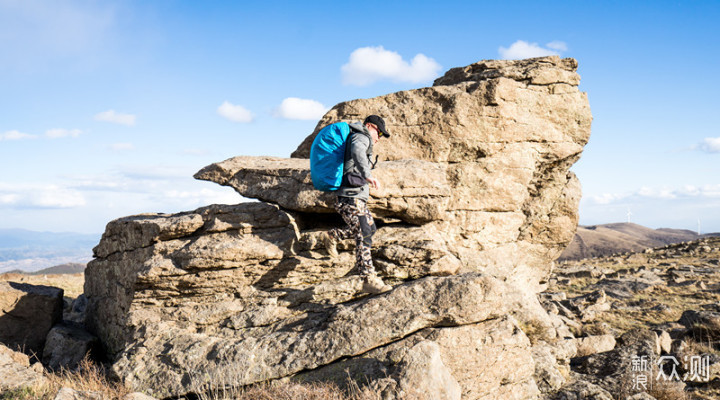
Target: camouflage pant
(361, 227)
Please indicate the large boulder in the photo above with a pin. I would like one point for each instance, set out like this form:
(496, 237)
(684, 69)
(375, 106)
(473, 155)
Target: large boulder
(477, 200)
(27, 312)
(413, 191)
(230, 295)
(491, 146)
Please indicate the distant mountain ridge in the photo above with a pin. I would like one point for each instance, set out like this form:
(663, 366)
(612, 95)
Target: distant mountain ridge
(608, 239)
(30, 251)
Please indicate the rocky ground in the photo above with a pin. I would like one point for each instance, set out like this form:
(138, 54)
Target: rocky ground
(611, 304)
(673, 291)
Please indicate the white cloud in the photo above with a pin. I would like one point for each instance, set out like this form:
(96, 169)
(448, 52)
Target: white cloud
(557, 45)
(709, 191)
(607, 198)
(235, 113)
(122, 146)
(116, 117)
(39, 196)
(710, 145)
(302, 109)
(16, 135)
(522, 49)
(371, 64)
(61, 133)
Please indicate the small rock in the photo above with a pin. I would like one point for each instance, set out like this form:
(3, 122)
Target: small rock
(582, 390)
(665, 341)
(594, 344)
(71, 394)
(641, 396)
(138, 396)
(704, 324)
(66, 346)
(16, 371)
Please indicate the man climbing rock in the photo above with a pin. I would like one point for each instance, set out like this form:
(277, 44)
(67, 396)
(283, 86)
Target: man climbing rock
(352, 200)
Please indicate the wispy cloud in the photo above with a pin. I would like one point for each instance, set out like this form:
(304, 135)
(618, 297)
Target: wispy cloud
(368, 65)
(116, 117)
(522, 49)
(62, 133)
(300, 109)
(709, 145)
(235, 113)
(659, 193)
(203, 197)
(39, 196)
(16, 135)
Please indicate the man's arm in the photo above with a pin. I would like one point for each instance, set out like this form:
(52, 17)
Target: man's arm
(359, 144)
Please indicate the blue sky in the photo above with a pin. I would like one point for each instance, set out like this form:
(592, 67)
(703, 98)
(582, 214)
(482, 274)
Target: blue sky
(107, 108)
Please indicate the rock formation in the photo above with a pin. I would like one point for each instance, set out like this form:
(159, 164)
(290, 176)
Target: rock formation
(477, 202)
(27, 313)
(16, 371)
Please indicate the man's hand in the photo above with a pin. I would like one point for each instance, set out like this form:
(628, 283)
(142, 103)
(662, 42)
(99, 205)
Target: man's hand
(374, 183)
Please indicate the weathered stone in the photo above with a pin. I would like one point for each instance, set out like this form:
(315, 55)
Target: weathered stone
(474, 355)
(627, 287)
(138, 396)
(76, 313)
(504, 142)
(263, 352)
(613, 369)
(16, 371)
(72, 394)
(582, 390)
(641, 396)
(594, 344)
(476, 201)
(66, 346)
(27, 312)
(413, 191)
(702, 324)
(549, 374)
(664, 340)
(421, 372)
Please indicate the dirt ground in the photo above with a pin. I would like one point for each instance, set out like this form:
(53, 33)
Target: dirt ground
(72, 284)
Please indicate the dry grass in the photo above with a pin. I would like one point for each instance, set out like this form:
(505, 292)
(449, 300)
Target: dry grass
(72, 284)
(291, 391)
(89, 377)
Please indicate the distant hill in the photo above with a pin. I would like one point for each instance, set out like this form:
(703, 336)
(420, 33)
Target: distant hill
(70, 268)
(608, 239)
(30, 251)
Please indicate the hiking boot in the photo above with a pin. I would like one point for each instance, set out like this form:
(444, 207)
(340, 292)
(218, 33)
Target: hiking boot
(330, 244)
(374, 285)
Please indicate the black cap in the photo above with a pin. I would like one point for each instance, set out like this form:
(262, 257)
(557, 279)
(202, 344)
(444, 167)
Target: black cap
(379, 122)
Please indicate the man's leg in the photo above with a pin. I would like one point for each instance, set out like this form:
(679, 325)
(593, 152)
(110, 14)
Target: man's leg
(363, 240)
